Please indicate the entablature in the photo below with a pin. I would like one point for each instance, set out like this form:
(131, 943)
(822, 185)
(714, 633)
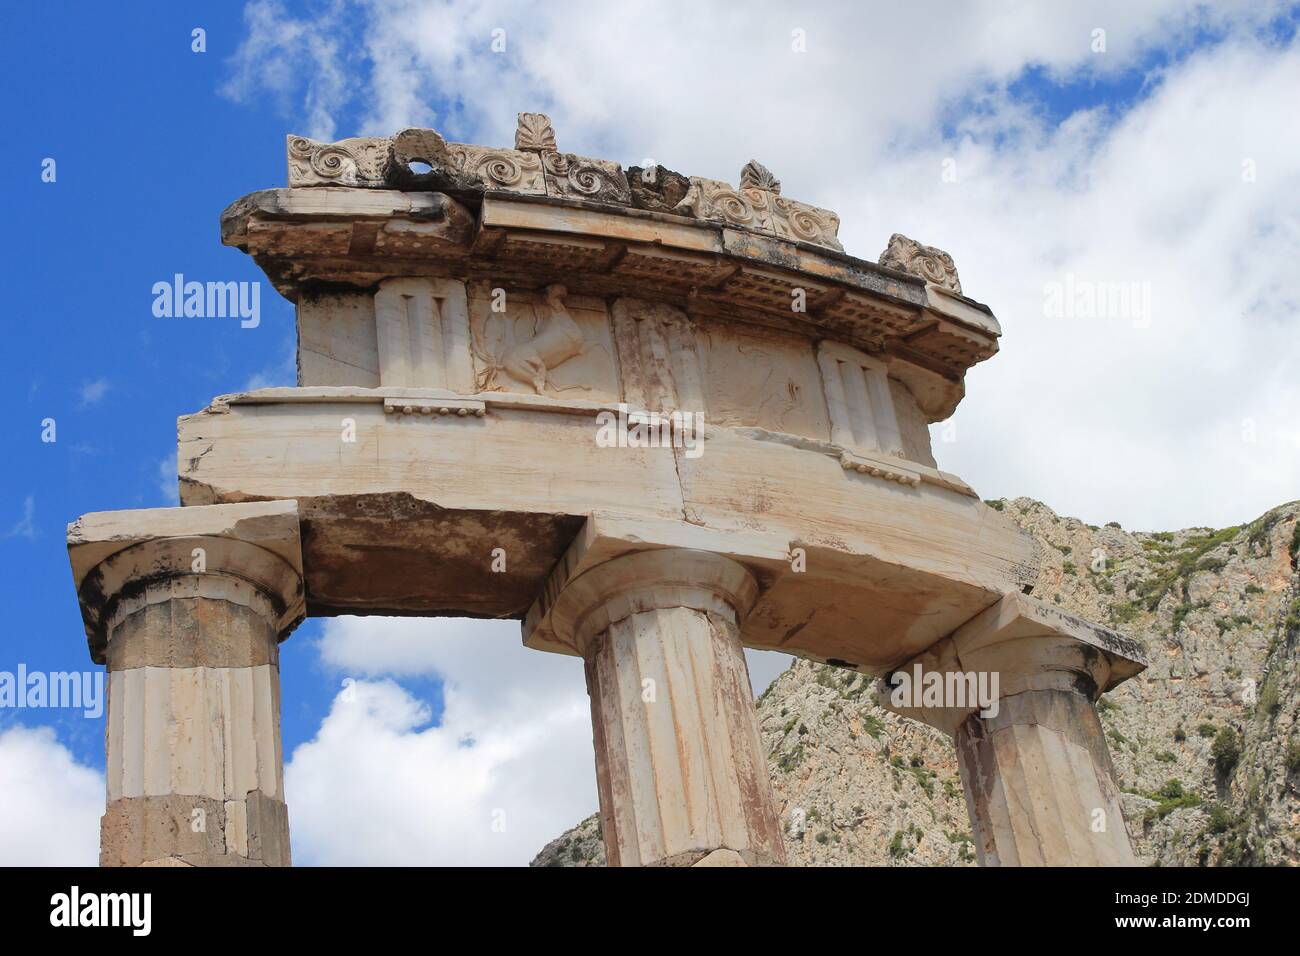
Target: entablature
(314, 240)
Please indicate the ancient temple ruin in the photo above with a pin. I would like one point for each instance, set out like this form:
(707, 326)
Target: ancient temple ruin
(471, 322)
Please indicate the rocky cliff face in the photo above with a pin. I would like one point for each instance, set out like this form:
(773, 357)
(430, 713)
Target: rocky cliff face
(1205, 742)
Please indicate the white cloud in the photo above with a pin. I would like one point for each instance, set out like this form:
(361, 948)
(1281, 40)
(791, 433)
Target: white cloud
(687, 81)
(279, 52)
(26, 525)
(168, 483)
(1173, 419)
(508, 767)
(92, 392)
(282, 373)
(52, 804)
(1099, 418)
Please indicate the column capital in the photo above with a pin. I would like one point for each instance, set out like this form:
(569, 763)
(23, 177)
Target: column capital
(1030, 646)
(121, 559)
(1015, 686)
(585, 606)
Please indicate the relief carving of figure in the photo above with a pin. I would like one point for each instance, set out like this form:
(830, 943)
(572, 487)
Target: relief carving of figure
(558, 339)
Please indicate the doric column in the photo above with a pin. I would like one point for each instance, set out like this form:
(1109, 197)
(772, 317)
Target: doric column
(187, 607)
(1016, 686)
(679, 765)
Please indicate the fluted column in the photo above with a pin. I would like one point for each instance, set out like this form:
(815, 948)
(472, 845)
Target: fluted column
(187, 608)
(679, 765)
(1037, 775)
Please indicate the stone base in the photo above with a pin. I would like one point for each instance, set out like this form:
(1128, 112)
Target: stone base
(182, 830)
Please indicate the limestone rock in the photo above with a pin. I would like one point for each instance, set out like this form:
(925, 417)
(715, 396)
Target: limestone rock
(581, 846)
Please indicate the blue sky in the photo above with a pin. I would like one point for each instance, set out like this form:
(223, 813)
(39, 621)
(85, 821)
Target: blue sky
(152, 141)
(148, 153)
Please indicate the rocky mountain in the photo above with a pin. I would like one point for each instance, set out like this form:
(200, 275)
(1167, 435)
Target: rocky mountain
(1205, 742)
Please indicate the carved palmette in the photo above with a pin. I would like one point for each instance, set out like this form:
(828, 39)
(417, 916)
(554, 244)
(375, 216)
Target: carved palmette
(931, 264)
(537, 167)
(758, 205)
(363, 161)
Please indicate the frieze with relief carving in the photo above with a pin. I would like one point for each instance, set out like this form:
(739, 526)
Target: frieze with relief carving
(541, 343)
